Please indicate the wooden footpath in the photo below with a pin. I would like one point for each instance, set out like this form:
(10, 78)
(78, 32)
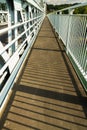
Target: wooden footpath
(48, 94)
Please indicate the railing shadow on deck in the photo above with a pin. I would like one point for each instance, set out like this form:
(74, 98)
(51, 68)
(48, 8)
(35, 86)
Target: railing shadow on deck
(42, 93)
(46, 49)
(47, 94)
(82, 99)
(69, 98)
(33, 114)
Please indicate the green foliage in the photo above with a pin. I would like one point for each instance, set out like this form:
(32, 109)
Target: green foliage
(51, 8)
(81, 10)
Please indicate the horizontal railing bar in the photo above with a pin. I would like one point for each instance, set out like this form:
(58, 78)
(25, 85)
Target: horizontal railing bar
(71, 7)
(3, 12)
(10, 81)
(23, 20)
(2, 78)
(72, 30)
(35, 5)
(17, 25)
(10, 44)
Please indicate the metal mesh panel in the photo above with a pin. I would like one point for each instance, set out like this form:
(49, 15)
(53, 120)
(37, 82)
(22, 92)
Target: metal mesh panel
(72, 29)
(60, 23)
(57, 23)
(77, 45)
(63, 27)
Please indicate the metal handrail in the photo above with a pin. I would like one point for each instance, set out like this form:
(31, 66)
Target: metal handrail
(3, 16)
(11, 43)
(12, 58)
(72, 30)
(70, 8)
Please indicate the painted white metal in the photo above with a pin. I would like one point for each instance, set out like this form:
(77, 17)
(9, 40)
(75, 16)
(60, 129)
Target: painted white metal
(21, 35)
(5, 54)
(72, 29)
(18, 4)
(4, 93)
(3, 17)
(16, 30)
(33, 3)
(11, 43)
(3, 77)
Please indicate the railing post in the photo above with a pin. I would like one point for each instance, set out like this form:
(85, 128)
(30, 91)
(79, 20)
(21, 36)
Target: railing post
(60, 13)
(75, 40)
(16, 31)
(69, 27)
(2, 18)
(45, 9)
(68, 34)
(71, 11)
(10, 20)
(29, 11)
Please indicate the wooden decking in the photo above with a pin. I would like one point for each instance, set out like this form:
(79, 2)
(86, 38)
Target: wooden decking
(48, 94)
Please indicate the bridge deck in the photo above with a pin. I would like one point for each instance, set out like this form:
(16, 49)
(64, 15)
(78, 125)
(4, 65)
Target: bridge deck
(48, 94)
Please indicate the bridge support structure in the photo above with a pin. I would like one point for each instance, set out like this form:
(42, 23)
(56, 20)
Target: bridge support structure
(24, 20)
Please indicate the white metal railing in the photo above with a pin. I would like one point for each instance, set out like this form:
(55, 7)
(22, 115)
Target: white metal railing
(21, 35)
(72, 29)
(3, 17)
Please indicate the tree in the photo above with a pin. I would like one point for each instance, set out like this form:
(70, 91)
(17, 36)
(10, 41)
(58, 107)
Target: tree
(51, 8)
(81, 10)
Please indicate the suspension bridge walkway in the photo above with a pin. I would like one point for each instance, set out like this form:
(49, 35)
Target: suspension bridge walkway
(47, 93)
